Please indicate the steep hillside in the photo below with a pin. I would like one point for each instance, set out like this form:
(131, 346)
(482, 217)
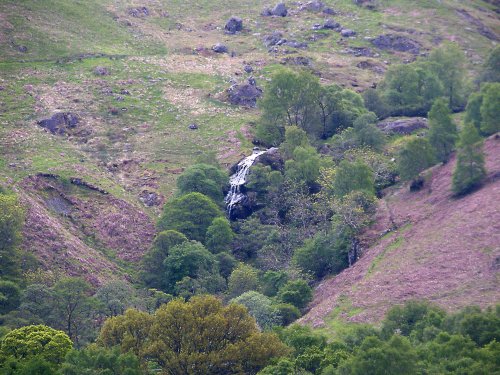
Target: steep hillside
(445, 250)
(136, 74)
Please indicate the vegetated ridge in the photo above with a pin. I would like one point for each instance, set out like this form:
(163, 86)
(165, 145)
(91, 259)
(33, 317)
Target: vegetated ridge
(442, 249)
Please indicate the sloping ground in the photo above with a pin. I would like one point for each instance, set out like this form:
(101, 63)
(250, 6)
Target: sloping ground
(445, 250)
(80, 231)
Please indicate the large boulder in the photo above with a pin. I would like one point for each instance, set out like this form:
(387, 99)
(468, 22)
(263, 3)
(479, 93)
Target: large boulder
(279, 10)
(331, 24)
(402, 125)
(233, 25)
(396, 42)
(60, 122)
(245, 94)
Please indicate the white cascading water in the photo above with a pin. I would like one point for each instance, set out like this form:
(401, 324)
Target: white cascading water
(237, 180)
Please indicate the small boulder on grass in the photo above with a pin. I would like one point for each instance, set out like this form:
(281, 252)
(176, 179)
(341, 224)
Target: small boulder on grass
(233, 25)
(219, 48)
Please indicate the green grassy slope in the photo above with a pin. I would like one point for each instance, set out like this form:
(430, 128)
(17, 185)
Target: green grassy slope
(129, 143)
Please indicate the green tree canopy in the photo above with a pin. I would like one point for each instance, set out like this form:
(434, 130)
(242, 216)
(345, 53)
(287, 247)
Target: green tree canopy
(491, 67)
(243, 279)
(203, 336)
(35, 341)
(296, 292)
(153, 270)
(394, 357)
(323, 254)
(203, 178)
(352, 176)
(189, 259)
(219, 235)
(130, 331)
(10, 296)
(448, 63)
(442, 130)
(11, 222)
(470, 170)
(260, 307)
(490, 108)
(94, 360)
(366, 132)
(415, 156)
(190, 214)
(304, 166)
(289, 99)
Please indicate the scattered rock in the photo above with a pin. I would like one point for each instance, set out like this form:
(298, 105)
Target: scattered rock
(369, 4)
(80, 182)
(22, 49)
(361, 51)
(370, 65)
(219, 48)
(139, 12)
(329, 11)
(274, 39)
(313, 6)
(346, 33)
(331, 24)
(233, 25)
(244, 94)
(124, 92)
(279, 10)
(266, 12)
(59, 122)
(402, 126)
(193, 126)
(295, 44)
(101, 71)
(396, 43)
(317, 36)
(150, 198)
(296, 60)
(248, 68)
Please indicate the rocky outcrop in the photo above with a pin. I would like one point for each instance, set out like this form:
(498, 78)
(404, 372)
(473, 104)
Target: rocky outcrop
(331, 25)
(279, 10)
(138, 12)
(396, 42)
(60, 122)
(233, 25)
(101, 71)
(313, 6)
(274, 39)
(402, 126)
(245, 94)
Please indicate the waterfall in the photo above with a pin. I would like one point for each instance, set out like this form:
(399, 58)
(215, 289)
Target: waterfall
(237, 180)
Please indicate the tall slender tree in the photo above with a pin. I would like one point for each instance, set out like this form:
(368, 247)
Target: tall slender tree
(442, 130)
(469, 171)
